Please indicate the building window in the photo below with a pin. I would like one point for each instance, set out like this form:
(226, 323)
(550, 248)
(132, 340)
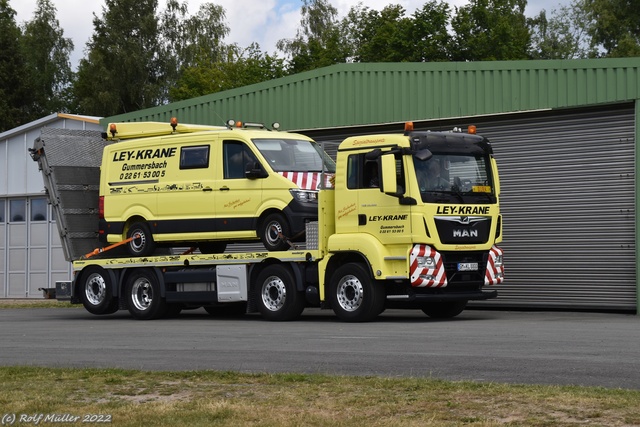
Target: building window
(2, 215)
(38, 209)
(17, 210)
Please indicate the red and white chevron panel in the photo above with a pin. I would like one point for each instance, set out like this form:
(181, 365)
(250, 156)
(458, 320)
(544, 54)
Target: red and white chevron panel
(494, 275)
(438, 277)
(308, 180)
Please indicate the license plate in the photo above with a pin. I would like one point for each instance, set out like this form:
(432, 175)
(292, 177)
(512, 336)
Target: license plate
(467, 266)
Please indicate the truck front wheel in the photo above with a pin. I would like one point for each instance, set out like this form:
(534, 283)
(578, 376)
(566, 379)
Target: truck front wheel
(353, 295)
(276, 293)
(443, 310)
(143, 295)
(96, 291)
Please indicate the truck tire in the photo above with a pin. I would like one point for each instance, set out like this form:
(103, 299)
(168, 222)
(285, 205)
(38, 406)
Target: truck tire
(276, 294)
(143, 245)
(96, 291)
(443, 310)
(353, 294)
(271, 230)
(143, 295)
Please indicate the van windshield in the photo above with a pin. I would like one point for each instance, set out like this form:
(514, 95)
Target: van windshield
(294, 155)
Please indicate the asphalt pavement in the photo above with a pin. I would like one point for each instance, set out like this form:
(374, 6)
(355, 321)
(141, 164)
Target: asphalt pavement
(563, 348)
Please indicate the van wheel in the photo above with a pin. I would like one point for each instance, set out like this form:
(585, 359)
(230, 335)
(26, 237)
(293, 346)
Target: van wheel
(143, 295)
(96, 291)
(354, 296)
(271, 231)
(212, 247)
(277, 295)
(143, 244)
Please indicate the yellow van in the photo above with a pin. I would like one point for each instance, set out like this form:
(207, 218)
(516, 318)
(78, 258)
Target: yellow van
(206, 186)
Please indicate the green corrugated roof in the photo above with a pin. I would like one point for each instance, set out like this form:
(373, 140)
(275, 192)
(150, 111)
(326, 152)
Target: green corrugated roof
(361, 94)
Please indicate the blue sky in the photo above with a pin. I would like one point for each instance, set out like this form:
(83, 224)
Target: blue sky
(262, 21)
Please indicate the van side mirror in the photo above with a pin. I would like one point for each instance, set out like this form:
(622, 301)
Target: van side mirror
(255, 171)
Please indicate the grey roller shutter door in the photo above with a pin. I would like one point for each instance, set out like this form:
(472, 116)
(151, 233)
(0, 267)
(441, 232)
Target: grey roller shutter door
(568, 205)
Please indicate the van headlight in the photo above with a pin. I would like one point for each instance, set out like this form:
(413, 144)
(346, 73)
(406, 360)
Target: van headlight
(304, 195)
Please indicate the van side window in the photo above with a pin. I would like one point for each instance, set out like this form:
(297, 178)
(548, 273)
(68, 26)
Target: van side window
(194, 157)
(236, 157)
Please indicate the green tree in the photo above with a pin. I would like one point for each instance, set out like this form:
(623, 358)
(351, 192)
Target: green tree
(390, 36)
(614, 25)
(319, 41)
(15, 93)
(380, 36)
(487, 30)
(241, 67)
(47, 52)
(564, 35)
(429, 32)
(123, 69)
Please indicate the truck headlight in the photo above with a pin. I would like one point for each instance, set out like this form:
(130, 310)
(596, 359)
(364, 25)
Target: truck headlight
(498, 261)
(304, 195)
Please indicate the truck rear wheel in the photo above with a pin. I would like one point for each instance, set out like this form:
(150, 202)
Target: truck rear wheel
(353, 295)
(142, 244)
(443, 310)
(143, 295)
(96, 291)
(271, 232)
(276, 294)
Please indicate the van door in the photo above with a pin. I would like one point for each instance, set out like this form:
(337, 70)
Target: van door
(186, 200)
(238, 196)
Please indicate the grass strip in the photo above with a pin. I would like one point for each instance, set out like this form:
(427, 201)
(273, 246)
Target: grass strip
(212, 398)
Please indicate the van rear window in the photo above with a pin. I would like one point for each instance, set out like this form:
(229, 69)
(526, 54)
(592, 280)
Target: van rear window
(194, 157)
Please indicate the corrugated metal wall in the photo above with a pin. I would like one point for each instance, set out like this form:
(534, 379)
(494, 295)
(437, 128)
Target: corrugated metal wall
(360, 94)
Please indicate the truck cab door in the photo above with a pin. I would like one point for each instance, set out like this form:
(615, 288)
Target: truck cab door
(380, 211)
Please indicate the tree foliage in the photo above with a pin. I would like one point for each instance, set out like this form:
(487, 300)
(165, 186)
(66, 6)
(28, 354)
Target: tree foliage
(614, 25)
(564, 35)
(488, 30)
(319, 40)
(123, 70)
(15, 94)
(241, 68)
(47, 53)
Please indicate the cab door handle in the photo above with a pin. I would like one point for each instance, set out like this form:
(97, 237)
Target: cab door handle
(224, 188)
(207, 189)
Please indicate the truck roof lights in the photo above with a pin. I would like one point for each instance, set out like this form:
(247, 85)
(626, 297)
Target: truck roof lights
(471, 129)
(113, 129)
(174, 123)
(408, 127)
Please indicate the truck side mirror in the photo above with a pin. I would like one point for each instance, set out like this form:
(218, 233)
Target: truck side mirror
(389, 182)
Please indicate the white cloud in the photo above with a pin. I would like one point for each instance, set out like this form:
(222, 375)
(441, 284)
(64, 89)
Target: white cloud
(264, 22)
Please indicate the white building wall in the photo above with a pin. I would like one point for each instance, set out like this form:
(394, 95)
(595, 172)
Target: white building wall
(31, 254)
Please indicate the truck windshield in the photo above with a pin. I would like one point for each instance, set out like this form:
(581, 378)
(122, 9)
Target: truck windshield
(294, 155)
(456, 176)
